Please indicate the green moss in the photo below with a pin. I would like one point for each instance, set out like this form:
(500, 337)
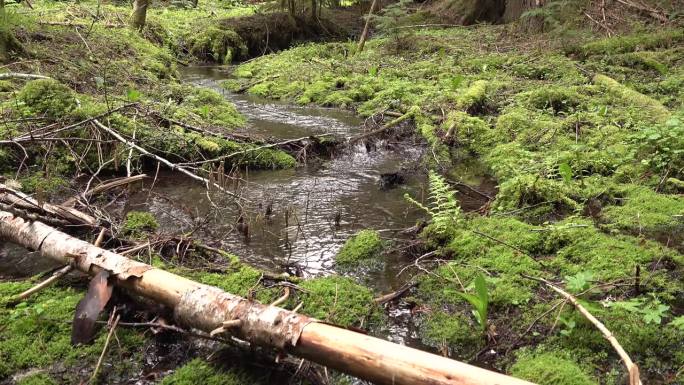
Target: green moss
(470, 132)
(457, 331)
(198, 371)
(475, 94)
(363, 246)
(652, 108)
(550, 368)
(38, 182)
(37, 379)
(644, 210)
(49, 97)
(217, 44)
(37, 333)
(581, 247)
(629, 43)
(338, 300)
(138, 223)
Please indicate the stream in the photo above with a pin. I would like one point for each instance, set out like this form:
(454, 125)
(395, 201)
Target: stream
(305, 201)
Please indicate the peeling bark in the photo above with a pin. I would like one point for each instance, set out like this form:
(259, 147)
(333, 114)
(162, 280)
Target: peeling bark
(208, 308)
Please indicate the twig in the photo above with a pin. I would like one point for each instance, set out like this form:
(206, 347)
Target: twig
(283, 298)
(632, 368)
(40, 286)
(387, 126)
(102, 187)
(104, 349)
(395, 294)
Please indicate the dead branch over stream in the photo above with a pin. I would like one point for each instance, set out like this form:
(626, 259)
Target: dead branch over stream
(208, 308)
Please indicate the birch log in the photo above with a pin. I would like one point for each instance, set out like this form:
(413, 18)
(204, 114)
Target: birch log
(208, 308)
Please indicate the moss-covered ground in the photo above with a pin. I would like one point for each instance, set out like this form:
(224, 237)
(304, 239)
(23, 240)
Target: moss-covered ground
(584, 138)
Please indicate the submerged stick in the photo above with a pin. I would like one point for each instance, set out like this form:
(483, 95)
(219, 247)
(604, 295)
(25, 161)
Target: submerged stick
(632, 368)
(206, 308)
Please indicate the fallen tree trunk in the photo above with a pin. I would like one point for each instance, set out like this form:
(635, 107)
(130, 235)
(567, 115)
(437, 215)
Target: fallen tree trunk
(208, 308)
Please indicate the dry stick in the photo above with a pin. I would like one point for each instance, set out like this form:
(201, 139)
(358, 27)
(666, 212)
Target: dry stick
(383, 128)
(172, 166)
(105, 186)
(632, 368)
(104, 349)
(17, 75)
(395, 294)
(21, 200)
(41, 285)
(366, 27)
(206, 308)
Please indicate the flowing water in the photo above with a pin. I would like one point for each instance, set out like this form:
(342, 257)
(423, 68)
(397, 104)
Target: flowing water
(304, 201)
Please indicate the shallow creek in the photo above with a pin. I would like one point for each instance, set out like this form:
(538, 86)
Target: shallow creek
(305, 201)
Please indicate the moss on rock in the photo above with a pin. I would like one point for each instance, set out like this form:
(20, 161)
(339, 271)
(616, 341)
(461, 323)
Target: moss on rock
(361, 247)
(138, 223)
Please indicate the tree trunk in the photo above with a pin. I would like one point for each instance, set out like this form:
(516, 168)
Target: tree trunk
(139, 14)
(366, 27)
(313, 10)
(208, 308)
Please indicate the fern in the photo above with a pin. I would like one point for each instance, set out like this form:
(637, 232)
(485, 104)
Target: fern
(442, 205)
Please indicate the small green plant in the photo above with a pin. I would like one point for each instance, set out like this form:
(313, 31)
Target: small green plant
(443, 206)
(652, 311)
(661, 147)
(391, 22)
(579, 282)
(479, 301)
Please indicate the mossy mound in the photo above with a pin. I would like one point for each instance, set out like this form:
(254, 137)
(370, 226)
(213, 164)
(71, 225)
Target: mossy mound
(138, 223)
(359, 249)
(339, 300)
(550, 369)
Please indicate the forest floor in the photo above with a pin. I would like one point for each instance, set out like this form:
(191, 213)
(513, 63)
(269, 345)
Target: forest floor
(583, 134)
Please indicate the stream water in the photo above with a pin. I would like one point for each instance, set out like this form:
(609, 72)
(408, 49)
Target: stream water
(305, 201)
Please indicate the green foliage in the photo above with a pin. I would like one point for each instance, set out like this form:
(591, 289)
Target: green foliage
(138, 223)
(198, 371)
(480, 301)
(579, 282)
(390, 21)
(550, 368)
(363, 246)
(652, 310)
(660, 147)
(442, 205)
